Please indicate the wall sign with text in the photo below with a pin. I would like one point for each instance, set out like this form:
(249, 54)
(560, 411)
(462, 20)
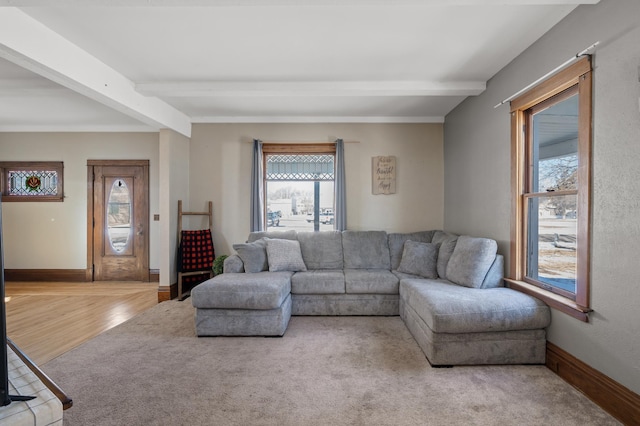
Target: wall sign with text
(383, 175)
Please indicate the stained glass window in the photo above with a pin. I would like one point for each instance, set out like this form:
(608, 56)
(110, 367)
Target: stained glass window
(31, 181)
(300, 167)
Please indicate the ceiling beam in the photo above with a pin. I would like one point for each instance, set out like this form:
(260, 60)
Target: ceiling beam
(31, 45)
(317, 88)
(337, 3)
(316, 119)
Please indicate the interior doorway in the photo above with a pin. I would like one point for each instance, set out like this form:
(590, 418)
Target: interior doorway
(118, 220)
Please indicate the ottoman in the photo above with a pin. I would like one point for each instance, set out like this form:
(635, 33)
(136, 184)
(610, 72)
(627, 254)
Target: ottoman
(456, 325)
(243, 304)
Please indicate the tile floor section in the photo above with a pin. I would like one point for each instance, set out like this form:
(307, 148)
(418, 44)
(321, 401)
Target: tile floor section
(45, 410)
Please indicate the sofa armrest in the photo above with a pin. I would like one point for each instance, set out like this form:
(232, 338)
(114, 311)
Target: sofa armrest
(233, 264)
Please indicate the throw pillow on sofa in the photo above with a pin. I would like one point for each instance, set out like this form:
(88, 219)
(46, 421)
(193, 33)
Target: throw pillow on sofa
(419, 259)
(284, 255)
(397, 240)
(471, 260)
(253, 255)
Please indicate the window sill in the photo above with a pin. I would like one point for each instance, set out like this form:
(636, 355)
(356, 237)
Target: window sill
(555, 301)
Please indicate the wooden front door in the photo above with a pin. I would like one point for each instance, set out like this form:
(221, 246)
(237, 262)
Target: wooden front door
(119, 220)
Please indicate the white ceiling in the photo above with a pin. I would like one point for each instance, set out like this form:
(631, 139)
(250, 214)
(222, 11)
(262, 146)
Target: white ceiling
(140, 65)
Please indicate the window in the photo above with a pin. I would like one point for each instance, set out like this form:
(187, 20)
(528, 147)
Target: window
(31, 181)
(299, 186)
(551, 174)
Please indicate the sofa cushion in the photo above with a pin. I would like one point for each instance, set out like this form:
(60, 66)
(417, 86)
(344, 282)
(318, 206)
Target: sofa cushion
(321, 250)
(397, 240)
(370, 281)
(233, 264)
(290, 234)
(318, 282)
(445, 251)
(419, 259)
(253, 255)
(262, 290)
(471, 260)
(440, 236)
(449, 308)
(284, 255)
(365, 250)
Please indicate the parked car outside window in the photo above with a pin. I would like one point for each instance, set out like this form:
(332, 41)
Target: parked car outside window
(273, 219)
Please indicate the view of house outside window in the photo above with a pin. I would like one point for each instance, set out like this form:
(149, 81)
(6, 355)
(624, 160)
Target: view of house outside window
(552, 200)
(300, 192)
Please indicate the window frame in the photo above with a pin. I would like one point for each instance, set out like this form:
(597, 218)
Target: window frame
(293, 149)
(7, 166)
(578, 75)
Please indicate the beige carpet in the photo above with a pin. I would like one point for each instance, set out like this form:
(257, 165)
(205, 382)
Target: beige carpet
(152, 370)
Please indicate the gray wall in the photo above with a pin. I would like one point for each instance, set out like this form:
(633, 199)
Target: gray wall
(477, 176)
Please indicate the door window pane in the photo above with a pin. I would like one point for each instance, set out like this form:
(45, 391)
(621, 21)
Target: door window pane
(119, 215)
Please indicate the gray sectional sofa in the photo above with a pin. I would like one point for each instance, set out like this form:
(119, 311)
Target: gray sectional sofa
(448, 289)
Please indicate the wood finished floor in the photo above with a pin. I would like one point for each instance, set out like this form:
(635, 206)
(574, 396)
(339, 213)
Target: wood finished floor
(46, 320)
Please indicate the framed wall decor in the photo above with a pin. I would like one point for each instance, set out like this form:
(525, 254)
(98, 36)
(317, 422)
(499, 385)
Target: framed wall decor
(383, 175)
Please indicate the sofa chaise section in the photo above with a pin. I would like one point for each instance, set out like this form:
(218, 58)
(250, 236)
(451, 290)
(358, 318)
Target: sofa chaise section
(468, 317)
(242, 304)
(456, 325)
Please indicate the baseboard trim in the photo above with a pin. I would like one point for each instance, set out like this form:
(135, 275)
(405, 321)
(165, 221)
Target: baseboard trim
(167, 292)
(55, 275)
(614, 398)
(62, 275)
